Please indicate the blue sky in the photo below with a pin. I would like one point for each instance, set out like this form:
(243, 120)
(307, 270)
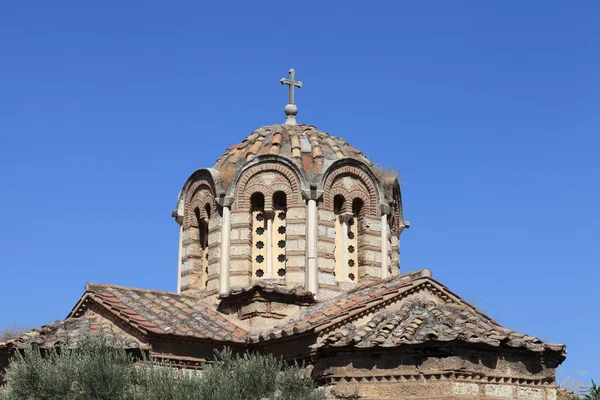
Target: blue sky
(489, 109)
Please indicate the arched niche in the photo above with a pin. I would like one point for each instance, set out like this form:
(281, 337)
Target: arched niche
(267, 178)
(351, 181)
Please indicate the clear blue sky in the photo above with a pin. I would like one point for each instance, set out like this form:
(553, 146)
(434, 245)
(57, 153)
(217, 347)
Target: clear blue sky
(489, 108)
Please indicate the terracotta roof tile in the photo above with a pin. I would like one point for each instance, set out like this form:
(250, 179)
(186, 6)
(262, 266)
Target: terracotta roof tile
(420, 319)
(165, 313)
(285, 140)
(68, 334)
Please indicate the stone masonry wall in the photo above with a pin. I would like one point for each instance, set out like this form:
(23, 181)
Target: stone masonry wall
(395, 254)
(240, 264)
(325, 255)
(429, 388)
(214, 256)
(432, 372)
(295, 248)
(369, 250)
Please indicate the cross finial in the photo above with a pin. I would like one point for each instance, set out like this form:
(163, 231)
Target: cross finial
(291, 110)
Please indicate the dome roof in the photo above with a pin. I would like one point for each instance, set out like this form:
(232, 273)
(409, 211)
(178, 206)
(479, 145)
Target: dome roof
(311, 149)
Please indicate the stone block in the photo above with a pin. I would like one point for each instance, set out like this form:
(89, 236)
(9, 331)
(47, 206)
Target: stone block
(244, 234)
(330, 233)
(326, 279)
(239, 250)
(529, 393)
(371, 270)
(296, 261)
(326, 215)
(465, 389)
(239, 281)
(296, 213)
(322, 231)
(240, 218)
(214, 237)
(214, 222)
(295, 278)
(213, 269)
(326, 263)
(326, 294)
(296, 229)
(500, 391)
(378, 257)
(190, 233)
(239, 265)
(193, 251)
(371, 240)
(372, 224)
(551, 394)
(235, 234)
(213, 284)
(325, 247)
(186, 266)
(368, 255)
(215, 252)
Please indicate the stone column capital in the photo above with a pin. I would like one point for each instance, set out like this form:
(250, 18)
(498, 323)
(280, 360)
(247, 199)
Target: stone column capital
(385, 208)
(345, 217)
(225, 201)
(312, 194)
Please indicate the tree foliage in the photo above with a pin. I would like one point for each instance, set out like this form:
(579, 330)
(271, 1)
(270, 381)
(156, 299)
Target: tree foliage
(100, 371)
(590, 393)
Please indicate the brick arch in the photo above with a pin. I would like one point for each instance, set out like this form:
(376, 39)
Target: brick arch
(199, 194)
(366, 191)
(284, 180)
(348, 197)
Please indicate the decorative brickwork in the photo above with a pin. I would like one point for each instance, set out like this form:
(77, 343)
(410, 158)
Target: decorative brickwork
(351, 182)
(267, 178)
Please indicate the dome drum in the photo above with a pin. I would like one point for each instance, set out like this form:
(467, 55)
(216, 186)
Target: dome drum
(290, 205)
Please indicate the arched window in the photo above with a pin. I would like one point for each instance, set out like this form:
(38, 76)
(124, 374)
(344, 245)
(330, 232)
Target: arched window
(355, 224)
(348, 225)
(341, 233)
(279, 234)
(202, 218)
(259, 236)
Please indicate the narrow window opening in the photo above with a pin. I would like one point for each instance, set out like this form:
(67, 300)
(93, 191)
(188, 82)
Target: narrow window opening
(258, 227)
(279, 233)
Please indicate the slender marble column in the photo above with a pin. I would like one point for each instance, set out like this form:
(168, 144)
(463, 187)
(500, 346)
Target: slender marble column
(344, 249)
(384, 247)
(385, 266)
(269, 271)
(226, 202)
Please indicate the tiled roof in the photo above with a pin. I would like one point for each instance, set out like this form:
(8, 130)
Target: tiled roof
(419, 320)
(341, 320)
(68, 333)
(403, 310)
(267, 287)
(311, 149)
(346, 305)
(162, 313)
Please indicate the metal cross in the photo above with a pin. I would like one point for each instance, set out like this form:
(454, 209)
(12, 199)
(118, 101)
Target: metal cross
(291, 82)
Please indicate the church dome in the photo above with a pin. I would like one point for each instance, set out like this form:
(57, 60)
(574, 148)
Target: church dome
(311, 149)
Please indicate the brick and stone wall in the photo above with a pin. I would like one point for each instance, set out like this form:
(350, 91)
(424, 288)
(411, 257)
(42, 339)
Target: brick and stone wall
(240, 264)
(295, 247)
(438, 373)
